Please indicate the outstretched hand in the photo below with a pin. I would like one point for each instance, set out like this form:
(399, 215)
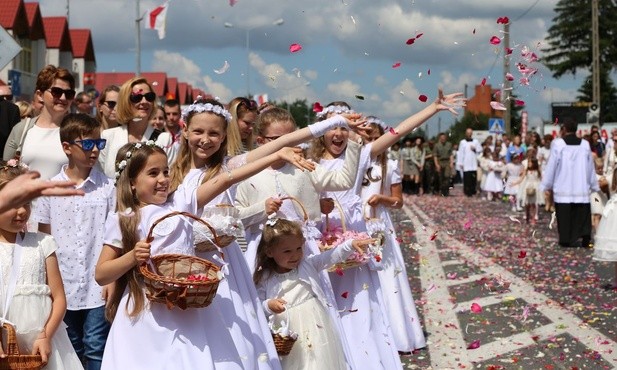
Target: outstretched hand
(450, 102)
(295, 156)
(361, 245)
(357, 124)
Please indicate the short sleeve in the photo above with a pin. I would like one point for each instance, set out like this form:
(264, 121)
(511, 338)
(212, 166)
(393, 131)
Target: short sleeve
(48, 245)
(184, 199)
(113, 235)
(395, 172)
(41, 210)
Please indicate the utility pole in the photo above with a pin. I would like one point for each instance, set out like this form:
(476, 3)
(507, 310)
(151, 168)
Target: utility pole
(595, 54)
(137, 40)
(505, 96)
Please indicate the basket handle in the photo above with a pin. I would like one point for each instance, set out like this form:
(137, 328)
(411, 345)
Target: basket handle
(341, 213)
(11, 340)
(294, 199)
(186, 214)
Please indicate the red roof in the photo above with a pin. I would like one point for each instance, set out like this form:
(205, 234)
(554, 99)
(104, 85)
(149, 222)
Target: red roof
(13, 17)
(183, 93)
(81, 40)
(104, 79)
(172, 86)
(158, 80)
(57, 33)
(35, 21)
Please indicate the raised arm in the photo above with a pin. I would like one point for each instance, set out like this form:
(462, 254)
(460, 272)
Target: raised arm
(447, 102)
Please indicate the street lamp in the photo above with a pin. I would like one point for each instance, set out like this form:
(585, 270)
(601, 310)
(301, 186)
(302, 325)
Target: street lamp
(247, 31)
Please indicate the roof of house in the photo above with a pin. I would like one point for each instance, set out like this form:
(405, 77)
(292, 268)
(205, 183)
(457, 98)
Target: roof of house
(13, 17)
(57, 33)
(35, 21)
(81, 39)
(104, 79)
(158, 80)
(172, 86)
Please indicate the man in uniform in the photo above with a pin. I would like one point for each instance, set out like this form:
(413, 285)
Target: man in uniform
(444, 163)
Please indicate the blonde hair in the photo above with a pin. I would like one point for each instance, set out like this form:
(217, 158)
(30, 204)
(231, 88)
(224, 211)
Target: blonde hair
(25, 109)
(127, 200)
(182, 164)
(124, 108)
(238, 108)
(9, 172)
(270, 237)
(273, 115)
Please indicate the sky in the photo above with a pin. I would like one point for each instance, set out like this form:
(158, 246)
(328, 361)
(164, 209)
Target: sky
(352, 50)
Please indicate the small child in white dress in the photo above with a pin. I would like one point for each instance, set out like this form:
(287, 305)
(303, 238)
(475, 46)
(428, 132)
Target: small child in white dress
(288, 282)
(31, 285)
(512, 175)
(605, 240)
(529, 185)
(493, 186)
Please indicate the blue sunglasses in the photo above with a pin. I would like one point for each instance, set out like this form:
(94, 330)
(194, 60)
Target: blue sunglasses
(88, 144)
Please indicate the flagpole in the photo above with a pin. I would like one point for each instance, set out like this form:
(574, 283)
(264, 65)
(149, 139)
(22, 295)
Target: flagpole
(138, 40)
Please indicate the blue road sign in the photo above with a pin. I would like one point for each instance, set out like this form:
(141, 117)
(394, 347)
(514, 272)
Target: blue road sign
(496, 126)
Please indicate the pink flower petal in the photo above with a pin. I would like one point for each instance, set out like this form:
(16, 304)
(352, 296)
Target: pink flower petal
(392, 131)
(423, 98)
(509, 51)
(467, 225)
(476, 308)
(429, 72)
(345, 294)
(509, 76)
(294, 48)
(232, 2)
(411, 41)
(451, 275)
(498, 106)
(419, 35)
(495, 40)
(433, 236)
(519, 103)
(474, 345)
(396, 65)
(483, 81)
(503, 20)
(317, 107)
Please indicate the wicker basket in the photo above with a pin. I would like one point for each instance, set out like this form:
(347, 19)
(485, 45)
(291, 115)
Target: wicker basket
(218, 241)
(167, 278)
(375, 226)
(283, 343)
(15, 361)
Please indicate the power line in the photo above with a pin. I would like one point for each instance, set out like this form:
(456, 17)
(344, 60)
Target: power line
(527, 11)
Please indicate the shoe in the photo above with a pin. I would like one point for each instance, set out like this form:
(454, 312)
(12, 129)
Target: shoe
(609, 286)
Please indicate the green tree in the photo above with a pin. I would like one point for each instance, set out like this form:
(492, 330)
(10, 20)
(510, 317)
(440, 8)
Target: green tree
(569, 40)
(608, 97)
(469, 119)
(301, 111)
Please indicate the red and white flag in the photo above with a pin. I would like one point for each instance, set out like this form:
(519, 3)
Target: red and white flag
(155, 19)
(263, 98)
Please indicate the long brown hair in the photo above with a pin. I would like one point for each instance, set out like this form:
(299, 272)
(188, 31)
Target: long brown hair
(100, 101)
(270, 236)
(238, 108)
(182, 164)
(127, 201)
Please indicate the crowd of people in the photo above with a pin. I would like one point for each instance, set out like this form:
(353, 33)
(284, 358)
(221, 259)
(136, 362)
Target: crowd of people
(308, 200)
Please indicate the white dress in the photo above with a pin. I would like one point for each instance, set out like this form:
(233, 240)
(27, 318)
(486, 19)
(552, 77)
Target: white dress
(400, 306)
(362, 309)
(236, 294)
(494, 183)
(31, 303)
(318, 345)
(605, 240)
(531, 181)
(159, 338)
(513, 173)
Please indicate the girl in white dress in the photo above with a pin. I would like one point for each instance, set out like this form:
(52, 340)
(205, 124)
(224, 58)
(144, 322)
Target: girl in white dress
(483, 169)
(512, 175)
(288, 282)
(381, 189)
(529, 185)
(202, 156)
(605, 240)
(32, 293)
(358, 290)
(493, 185)
(150, 336)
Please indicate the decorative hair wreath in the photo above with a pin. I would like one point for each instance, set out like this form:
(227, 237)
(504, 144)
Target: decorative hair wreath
(380, 123)
(120, 166)
(14, 163)
(338, 109)
(272, 219)
(199, 107)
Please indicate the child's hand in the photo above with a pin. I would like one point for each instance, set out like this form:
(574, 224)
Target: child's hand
(374, 200)
(357, 125)
(108, 292)
(360, 245)
(326, 205)
(295, 156)
(450, 102)
(273, 205)
(141, 252)
(277, 305)
(42, 346)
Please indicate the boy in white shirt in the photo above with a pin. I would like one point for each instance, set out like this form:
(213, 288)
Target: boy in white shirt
(77, 224)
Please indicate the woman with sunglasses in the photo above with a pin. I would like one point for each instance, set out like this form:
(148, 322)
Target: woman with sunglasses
(134, 110)
(240, 133)
(36, 142)
(106, 107)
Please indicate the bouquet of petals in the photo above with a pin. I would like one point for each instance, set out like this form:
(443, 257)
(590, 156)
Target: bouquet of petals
(334, 237)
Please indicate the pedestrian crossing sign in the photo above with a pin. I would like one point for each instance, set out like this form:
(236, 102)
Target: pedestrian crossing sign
(496, 126)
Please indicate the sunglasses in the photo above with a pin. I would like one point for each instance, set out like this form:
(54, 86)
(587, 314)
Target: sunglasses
(88, 144)
(57, 92)
(110, 104)
(136, 98)
(6, 97)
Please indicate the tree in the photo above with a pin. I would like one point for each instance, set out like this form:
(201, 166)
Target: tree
(469, 120)
(301, 111)
(569, 50)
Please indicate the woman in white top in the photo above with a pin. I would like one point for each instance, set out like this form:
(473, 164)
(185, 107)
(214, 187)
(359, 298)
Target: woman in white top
(134, 110)
(36, 141)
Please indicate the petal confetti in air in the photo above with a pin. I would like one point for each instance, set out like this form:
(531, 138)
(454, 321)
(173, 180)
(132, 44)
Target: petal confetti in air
(294, 48)
(232, 2)
(396, 65)
(419, 35)
(509, 76)
(345, 295)
(359, 97)
(428, 72)
(474, 31)
(509, 51)
(519, 103)
(498, 106)
(317, 107)
(503, 20)
(495, 40)
(423, 98)
(474, 345)
(411, 41)
(483, 81)
(476, 308)
(223, 69)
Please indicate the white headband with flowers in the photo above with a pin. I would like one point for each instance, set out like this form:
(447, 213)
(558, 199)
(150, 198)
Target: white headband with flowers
(207, 107)
(338, 109)
(120, 166)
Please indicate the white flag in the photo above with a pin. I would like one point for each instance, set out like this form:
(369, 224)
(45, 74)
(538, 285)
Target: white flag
(155, 19)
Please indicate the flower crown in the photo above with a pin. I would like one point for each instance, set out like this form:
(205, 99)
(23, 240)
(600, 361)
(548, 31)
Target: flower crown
(338, 109)
(120, 166)
(14, 163)
(207, 107)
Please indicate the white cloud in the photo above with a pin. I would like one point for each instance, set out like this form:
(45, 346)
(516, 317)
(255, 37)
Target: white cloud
(217, 89)
(283, 85)
(174, 64)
